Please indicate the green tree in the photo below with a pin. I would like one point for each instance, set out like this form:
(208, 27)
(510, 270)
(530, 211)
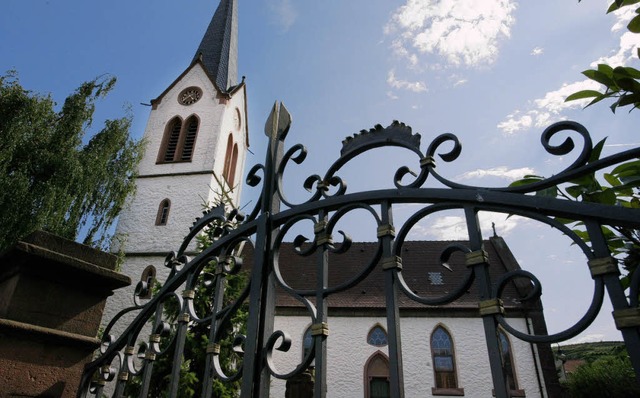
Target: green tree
(609, 376)
(197, 336)
(49, 178)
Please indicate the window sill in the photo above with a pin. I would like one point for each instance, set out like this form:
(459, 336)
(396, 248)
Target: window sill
(512, 393)
(452, 392)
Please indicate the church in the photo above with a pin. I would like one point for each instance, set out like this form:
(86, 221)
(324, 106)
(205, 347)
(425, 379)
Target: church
(196, 144)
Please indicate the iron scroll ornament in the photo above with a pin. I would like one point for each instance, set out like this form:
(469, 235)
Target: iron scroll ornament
(328, 203)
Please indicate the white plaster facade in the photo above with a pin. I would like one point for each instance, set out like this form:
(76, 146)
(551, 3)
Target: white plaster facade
(348, 352)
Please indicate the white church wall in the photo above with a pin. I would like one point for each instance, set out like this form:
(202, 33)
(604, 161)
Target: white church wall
(348, 352)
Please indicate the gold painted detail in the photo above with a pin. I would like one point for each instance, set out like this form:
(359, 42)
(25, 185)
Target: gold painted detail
(627, 318)
(428, 161)
(323, 185)
(189, 294)
(321, 239)
(321, 328)
(386, 230)
(476, 257)
(320, 226)
(129, 350)
(213, 348)
(150, 356)
(491, 307)
(154, 338)
(603, 266)
(123, 376)
(393, 262)
(184, 318)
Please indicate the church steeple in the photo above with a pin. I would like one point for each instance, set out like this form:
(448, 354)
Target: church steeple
(218, 49)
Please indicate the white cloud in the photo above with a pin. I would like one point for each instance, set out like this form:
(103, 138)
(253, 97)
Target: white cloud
(589, 338)
(537, 51)
(500, 172)
(550, 108)
(466, 33)
(282, 14)
(455, 227)
(416, 87)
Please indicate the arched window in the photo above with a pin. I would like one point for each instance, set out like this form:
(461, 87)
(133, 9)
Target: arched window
(148, 277)
(190, 134)
(232, 166)
(170, 141)
(507, 361)
(376, 376)
(163, 212)
(377, 336)
(444, 361)
(179, 140)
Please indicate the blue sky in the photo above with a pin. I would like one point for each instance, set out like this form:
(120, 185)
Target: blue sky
(493, 72)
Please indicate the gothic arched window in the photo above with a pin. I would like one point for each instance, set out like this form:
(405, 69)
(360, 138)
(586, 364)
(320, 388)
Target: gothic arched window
(230, 161)
(179, 141)
(444, 361)
(377, 336)
(376, 376)
(506, 357)
(163, 212)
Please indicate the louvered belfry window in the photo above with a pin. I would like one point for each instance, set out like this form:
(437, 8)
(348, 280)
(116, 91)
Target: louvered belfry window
(179, 140)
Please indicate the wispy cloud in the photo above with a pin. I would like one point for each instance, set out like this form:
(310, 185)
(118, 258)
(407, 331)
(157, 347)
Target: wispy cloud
(282, 14)
(500, 172)
(462, 33)
(537, 51)
(550, 108)
(416, 87)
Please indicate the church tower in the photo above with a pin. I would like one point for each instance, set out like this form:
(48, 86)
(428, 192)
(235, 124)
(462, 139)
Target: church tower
(196, 143)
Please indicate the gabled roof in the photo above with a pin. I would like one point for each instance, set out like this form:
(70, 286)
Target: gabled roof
(421, 270)
(218, 50)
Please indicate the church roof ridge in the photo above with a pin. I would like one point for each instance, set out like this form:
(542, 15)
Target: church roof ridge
(218, 50)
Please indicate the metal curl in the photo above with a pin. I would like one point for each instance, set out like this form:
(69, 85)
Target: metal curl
(344, 246)
(237, 349)
(567, 145)
(297, 246)
(284, 346)
(580, 326)
(535, 292)
(297, 154)
(448, 156)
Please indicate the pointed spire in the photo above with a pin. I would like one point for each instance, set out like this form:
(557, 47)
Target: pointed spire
(219, 47)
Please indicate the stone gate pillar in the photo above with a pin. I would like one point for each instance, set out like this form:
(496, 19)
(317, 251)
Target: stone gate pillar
(52, 294)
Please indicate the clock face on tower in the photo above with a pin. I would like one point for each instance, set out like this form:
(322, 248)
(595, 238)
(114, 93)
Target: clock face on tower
(190, 95)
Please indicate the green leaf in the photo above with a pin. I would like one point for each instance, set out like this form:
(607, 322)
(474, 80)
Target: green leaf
(550, 192)
(599, 77)
(634, 25)
(606, 69)
(626, 71)
(612, 180)
(582, 95)
(617, 4)
(595, 153)
(527, 179)
(605, 197)
(628, 99)
(575, 190)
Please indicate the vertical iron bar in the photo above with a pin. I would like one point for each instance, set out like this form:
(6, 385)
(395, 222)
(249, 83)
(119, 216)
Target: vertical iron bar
(207, 385)
(481, 271)
(256, 383)
(396, 376)
(631, 334)
(148, 366)
(320, 339)
(181, 336)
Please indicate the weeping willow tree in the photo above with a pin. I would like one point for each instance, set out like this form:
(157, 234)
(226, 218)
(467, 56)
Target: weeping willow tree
(53, 178)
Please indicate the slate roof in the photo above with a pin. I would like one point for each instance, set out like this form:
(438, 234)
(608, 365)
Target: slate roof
(421, 270)
(219, 46)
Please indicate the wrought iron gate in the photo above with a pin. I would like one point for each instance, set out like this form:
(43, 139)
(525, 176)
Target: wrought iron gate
(121, 359)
